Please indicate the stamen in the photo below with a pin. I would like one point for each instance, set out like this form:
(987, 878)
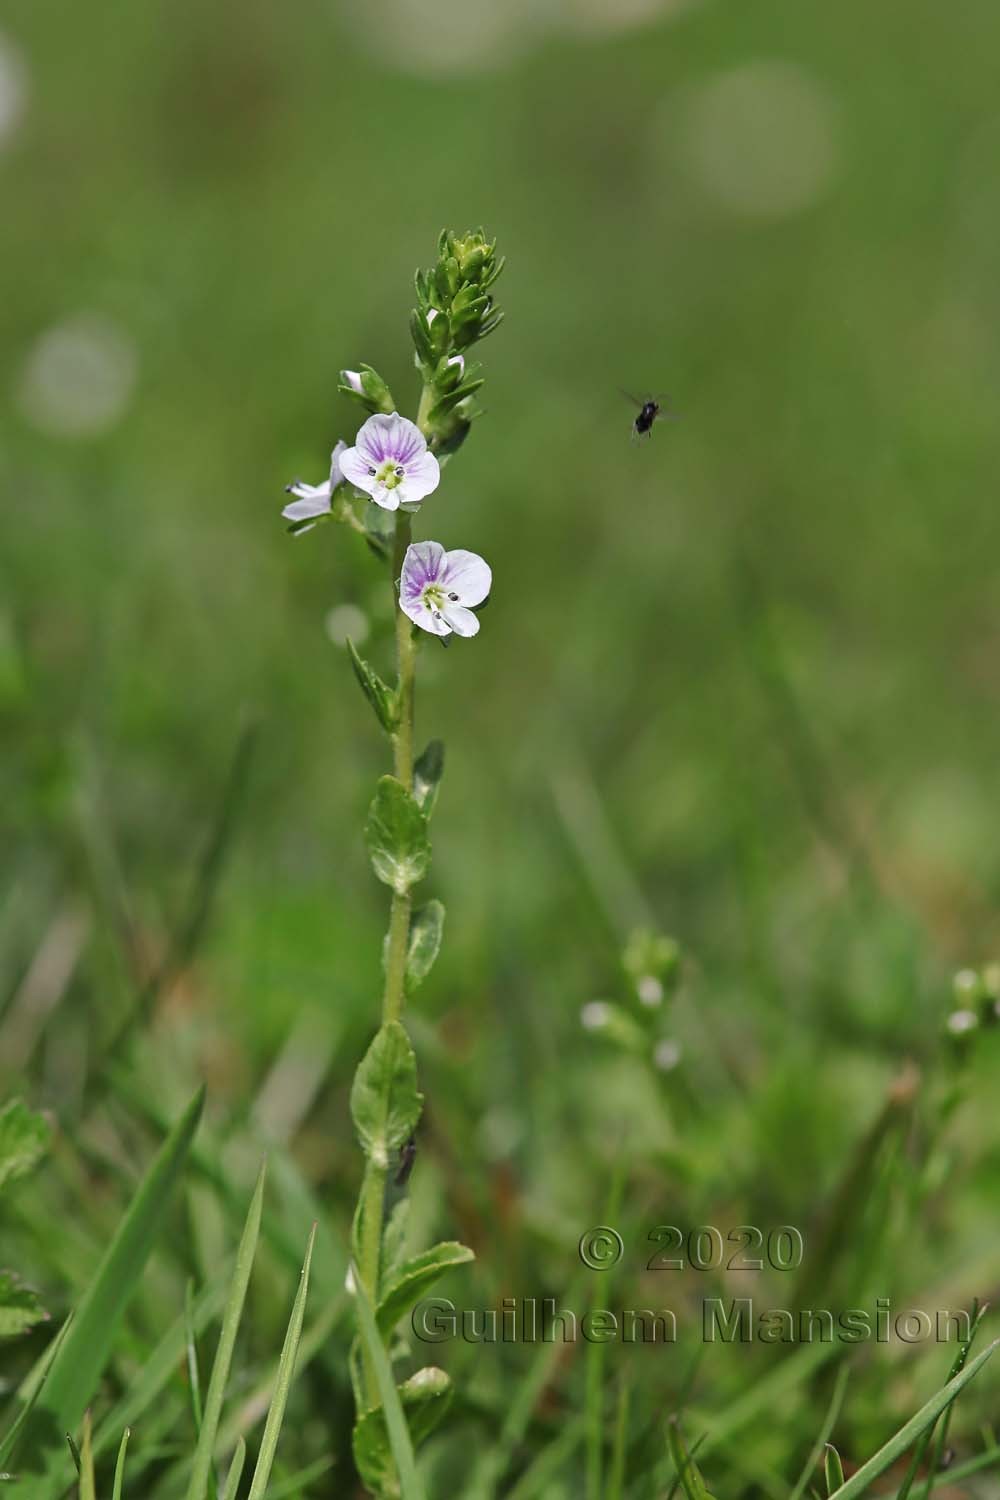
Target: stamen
(453, 598)
(400, 472)
(371, 471)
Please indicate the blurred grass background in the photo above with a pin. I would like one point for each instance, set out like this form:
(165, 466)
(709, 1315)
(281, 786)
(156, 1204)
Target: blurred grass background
(737, 683)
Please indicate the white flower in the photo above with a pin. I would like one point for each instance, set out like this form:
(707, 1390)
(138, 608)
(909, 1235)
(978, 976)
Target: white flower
(353, 379)
(594, 1015)
(390, 462)
(313, 500)
(437, 589)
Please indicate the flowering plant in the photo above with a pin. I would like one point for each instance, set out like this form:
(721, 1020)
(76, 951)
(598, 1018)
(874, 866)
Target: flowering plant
(376, 486)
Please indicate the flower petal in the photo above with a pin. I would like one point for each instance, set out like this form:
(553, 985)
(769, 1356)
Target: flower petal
(467, 575)
(391, 438)
(354, 467)
(423, 474)
(315, 503)
(425, 617)
(388, 499)
(422, 565)
(462, 621)
(336, 477)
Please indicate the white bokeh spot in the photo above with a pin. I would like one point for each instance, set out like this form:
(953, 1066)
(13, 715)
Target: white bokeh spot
(762, 140)
(78, 377)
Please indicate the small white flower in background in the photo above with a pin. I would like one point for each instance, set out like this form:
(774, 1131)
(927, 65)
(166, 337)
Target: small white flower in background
(667, 1055)
(594, 1015)
(961, 1021)
(313, 500)
(650, 991)
(437, 589)
(390, 462)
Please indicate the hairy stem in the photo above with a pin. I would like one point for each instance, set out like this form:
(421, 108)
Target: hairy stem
(398, 939)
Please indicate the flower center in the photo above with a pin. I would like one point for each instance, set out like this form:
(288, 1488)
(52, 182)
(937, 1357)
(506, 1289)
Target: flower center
(435, 597)
(390, 475)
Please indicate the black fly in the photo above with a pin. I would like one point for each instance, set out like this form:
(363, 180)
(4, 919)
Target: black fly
(407, 1156)
(649, 410)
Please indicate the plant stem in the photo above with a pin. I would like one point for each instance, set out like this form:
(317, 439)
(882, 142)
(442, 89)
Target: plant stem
(402, 748)
(397, 944)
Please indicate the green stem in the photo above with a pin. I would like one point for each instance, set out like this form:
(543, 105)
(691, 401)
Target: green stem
(398, 941)
(402, 749)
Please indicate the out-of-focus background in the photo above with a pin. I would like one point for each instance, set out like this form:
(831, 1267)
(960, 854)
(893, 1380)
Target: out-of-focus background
(738, 683)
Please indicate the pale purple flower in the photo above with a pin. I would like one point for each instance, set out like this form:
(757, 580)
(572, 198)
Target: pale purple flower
(313, 500)
(390, 462)
(438, 589)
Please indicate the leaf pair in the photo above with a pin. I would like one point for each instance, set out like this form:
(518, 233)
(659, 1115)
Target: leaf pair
(386, 1435)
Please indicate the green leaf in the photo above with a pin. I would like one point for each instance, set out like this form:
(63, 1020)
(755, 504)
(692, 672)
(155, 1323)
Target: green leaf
(382, 698)
(116, 1491)
(833, 1469)
(159, 1367)
(426, 928)
(283, 1382)
(88, 1490)
(425, 1398)
(427, 772)
(76, 1369)
(201, 1469)
(400, 1444)
(20, 1308)
(415, 1277)
(235, 1471)
(907, 1434)
(24, 1139)
(688, 1472)
(385, 1102)
(396, 834)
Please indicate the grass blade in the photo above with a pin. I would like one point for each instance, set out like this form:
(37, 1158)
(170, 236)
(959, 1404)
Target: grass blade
(924, 1443)
(88, 1489)
(286, 1371)
(30, 1392)
(235, 1472)
(201, 1469)
(161, 1365)
(616, 1475)
(829, 1421)
(399, 1434)
(688, 1472)
(116, 1492)
(833, 1470)
(83, 1353)
(928, 1413)
(191, 1349)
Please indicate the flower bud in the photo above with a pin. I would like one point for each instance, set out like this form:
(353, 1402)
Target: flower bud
(367, 387)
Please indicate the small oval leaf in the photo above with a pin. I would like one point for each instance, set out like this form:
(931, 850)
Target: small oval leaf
(415, 1277)
(385, 1103)
(425, 942)
(427, 772)
(396, 834)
